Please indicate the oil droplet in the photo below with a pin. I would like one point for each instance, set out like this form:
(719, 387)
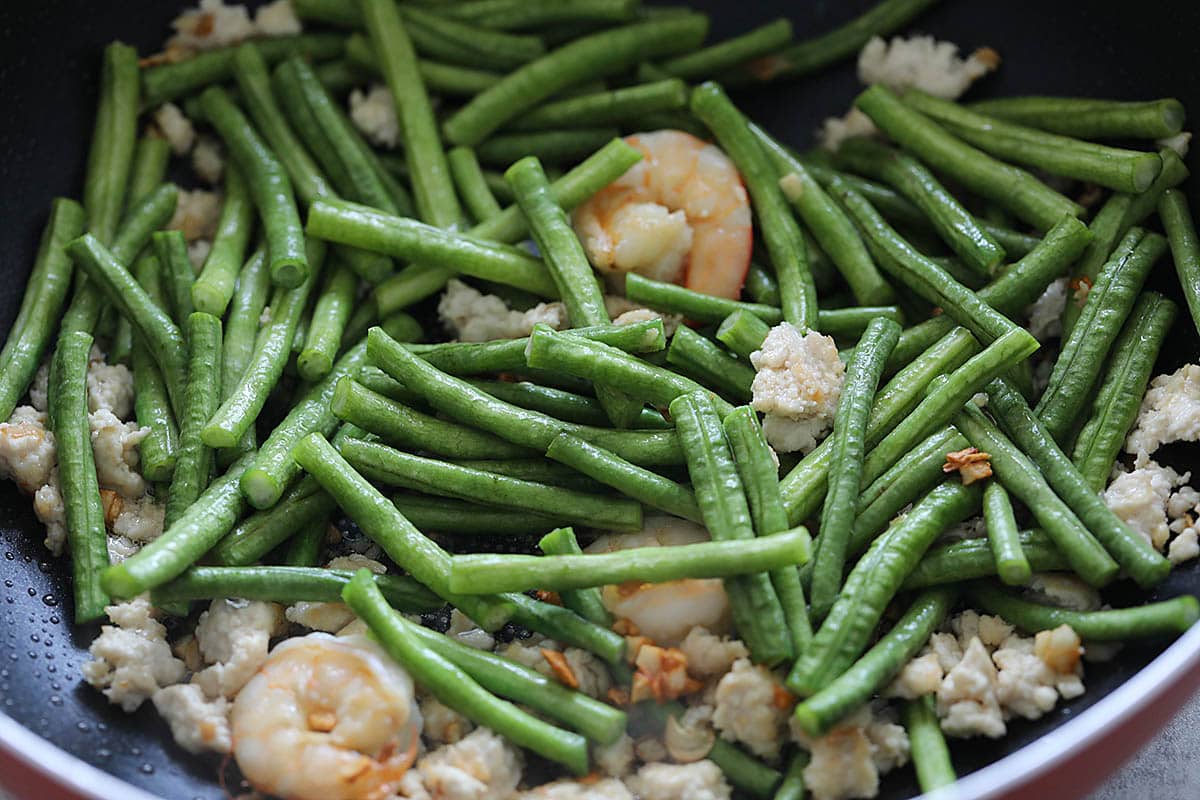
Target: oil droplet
(137, 751)
(55, 700)
(50, 600)
(83, 726)
(147, 769)
(54, 620)
(103, 752)
(8, 584)
(32, 591)
(33, 637)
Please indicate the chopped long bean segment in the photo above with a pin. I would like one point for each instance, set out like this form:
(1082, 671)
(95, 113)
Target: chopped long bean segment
(828, 223)
(1011, 563)
(436, 200)
(974, 558)
(450, 79)
(1185, 247)
(792, 787)
(1083, 354)
(756, 467)
(921, 469)
(780, 231)
(448, 252)
(269, 186)
(214, 287)
(181, 545)
(168, 81)
(596, 56)
(804, 487)
(696, 306)
(1090, 118)
(1020, 476)
(1119, 214)
(872, 584)
(151, 322)
(715, 59)
(508, 355)
(569, 268)
(559, 147)
(464, 42)
(1010, 187)
(273, 468)
(465, 403)
(930, 755)
(944, 400)
(564, 625)
(83, 509)
(921, 274)
(114, 138)
(1116, 168)
(178, 274)
(42, 305)
(719, 492)
(538, 470)
(602, 363)
(149, 167)
(484, 573)
(850, 323)
(158, 452)
(564, 405)
(263, 531)
(329, 318)
(823, 709)
(1131, 550)
(1163, 618)
(743, 332)
(404, 427)
(846, 461)
(472, 186)
(520, 15)
(585, 602)
(446, 515)
(631, 480)
(454, 686)
(819, 52)
(193, 468)
(272, 584)
(1018, 286)
(704, 360)
(386, 526)
(241, 330)
(1119, 396)
(628, 104)
(954, 224)
(439, 477)
(272, 347)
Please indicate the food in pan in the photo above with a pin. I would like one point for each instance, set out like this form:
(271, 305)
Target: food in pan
(803, 465)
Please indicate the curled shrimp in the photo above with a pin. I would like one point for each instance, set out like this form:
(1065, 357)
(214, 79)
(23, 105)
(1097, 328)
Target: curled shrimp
(680, 215)
(326, 718)
(665, 612)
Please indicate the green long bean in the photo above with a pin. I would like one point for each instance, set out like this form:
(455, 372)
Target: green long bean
(757, 611)
(1185, 247)
(453, 685)
(42, 304)
(974, 558)
(84, 512)
(446, 515)
(585, 602)
(1119, 396)
(1010, 187)
(1020, 476)
(329, 318)
(819, 712)
(215, 285)
(193, 467)
(1083, 353)
(930, 755)
(1011, 563)
(846, 461)
(1090, 118)
(596, 56)
(1163, 618)
(158, 452)
(1116, 168)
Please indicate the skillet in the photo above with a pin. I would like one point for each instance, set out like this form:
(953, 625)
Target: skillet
(49, 57)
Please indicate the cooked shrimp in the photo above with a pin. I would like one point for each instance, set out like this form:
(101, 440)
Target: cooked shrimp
(326, 718)
(680, 215)
(665, 612)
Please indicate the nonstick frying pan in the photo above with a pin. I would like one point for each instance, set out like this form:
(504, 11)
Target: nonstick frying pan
(52, 726)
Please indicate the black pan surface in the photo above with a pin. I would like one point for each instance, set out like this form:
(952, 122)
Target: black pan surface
(49, 62)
